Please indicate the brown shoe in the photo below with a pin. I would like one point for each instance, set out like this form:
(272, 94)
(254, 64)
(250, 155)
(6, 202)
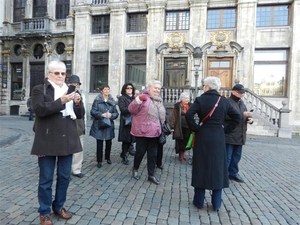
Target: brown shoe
(63, 213)
(45, 220)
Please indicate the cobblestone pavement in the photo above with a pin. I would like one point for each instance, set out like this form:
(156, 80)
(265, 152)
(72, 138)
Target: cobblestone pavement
(270, 194)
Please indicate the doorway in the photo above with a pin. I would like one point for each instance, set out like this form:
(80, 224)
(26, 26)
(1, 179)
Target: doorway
(221, 68)
(37, 75)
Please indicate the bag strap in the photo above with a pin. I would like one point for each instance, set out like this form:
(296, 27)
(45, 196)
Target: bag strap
(157, 112)
(210, 112)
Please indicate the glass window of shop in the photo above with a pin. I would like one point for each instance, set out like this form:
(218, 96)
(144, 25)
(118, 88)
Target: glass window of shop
(99, 70)
(16, 81)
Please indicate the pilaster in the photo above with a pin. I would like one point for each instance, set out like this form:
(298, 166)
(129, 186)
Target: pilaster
(155, 36)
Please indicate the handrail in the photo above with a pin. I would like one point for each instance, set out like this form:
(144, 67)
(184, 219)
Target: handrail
(262, 107)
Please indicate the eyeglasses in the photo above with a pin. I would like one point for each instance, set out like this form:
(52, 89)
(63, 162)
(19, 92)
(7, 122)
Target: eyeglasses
(57, 73)
(129, 88)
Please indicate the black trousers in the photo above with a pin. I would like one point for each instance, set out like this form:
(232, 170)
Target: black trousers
(143, 145)
(159, 157)
(100, 150)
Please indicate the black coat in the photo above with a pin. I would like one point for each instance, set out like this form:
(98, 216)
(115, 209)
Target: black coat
(54, 134)
(238, 136)
(99, 107)
(209, 169)
(124, 131)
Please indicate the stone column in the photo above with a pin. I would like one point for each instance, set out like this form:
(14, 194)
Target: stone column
(155, 36)
(284, 126)
(116, 71)
(294, 65)
(245, 36)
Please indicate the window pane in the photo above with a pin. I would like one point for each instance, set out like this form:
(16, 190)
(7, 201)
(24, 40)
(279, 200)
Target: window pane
(270, 55)
(272, 16)
(171, 21)
(184, 20)
(270, 72)
(228, 18)
(19, 10)
(99, 70)
(213, 19)
(62, 9)
(100, 24)
(137, 23)
(137, 75)
(269, 80)
(281, 15)
(221, 18)
(39, 8)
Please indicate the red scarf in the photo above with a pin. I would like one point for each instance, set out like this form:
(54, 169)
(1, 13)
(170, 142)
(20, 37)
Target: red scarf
(185, 107)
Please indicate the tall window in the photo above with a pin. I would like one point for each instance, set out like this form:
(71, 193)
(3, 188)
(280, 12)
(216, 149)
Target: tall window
(137, 22)
(100, 25)
(16, 81)
(39, 8)
(136, 68)
(175, 72)
(62, 9)
(99, 70)
(221, 18)
(19, 10)
(270, 69)
(272, 16)
(178, 20)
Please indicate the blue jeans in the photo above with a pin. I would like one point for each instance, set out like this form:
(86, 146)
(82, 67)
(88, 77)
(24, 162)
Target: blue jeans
(47, 166)
(234, 154)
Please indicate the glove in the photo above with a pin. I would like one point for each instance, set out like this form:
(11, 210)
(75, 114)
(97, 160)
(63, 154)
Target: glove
(143, 97)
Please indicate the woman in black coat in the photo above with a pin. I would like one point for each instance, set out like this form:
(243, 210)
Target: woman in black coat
(209, 152)
(104, 107)
(124, 130)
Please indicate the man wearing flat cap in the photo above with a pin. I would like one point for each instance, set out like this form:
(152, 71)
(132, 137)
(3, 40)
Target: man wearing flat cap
(77, 157)
(236, 139)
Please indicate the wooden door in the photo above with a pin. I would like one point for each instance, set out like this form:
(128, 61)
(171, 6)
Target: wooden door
(37, 75)
(221, 68)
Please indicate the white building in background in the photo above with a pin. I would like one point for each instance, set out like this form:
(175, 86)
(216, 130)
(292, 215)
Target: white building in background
(252, 42)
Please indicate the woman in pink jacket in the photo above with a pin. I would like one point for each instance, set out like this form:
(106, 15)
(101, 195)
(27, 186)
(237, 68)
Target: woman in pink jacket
(148, 113)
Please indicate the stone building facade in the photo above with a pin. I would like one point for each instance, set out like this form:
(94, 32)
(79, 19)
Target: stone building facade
(177, 42)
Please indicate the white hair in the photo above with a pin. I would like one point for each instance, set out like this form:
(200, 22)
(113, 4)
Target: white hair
(55, 64)
(152, 82)
(213, 82)
(183, 95)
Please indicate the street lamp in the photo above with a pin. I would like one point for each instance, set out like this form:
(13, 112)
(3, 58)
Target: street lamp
(197, 59)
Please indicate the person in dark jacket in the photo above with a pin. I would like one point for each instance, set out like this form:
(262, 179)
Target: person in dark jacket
(104, 106)
(77, 157)
(124, 130)
(236, 139)
(181, 131)
(55, 139)
(209, 167)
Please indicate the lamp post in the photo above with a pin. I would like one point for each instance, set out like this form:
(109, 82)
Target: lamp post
(197, 55)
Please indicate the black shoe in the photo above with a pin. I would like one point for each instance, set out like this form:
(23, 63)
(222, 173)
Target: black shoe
(153, 180)
(80, 175)
(99, 165)
(237, 178)
(125, 161)
(160, 167)
(135, 174)
(108, 161)
(197, 206)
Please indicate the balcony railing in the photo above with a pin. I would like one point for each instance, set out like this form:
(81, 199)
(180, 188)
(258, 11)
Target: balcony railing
(100, 2)
(35, 24)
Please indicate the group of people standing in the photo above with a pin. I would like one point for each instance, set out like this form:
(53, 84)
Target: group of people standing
(59, 124)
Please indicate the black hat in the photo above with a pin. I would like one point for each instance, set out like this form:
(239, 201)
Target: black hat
(239, 88)
(73, 79)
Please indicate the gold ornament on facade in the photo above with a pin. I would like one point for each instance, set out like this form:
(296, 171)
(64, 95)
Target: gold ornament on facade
(176, 40)
(220, 38)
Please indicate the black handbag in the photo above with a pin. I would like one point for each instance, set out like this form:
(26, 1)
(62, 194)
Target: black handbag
(166, 129)
(162, 138)
(104, 123)
(127, 120)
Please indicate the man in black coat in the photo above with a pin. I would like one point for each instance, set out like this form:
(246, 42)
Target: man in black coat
(236, 139)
